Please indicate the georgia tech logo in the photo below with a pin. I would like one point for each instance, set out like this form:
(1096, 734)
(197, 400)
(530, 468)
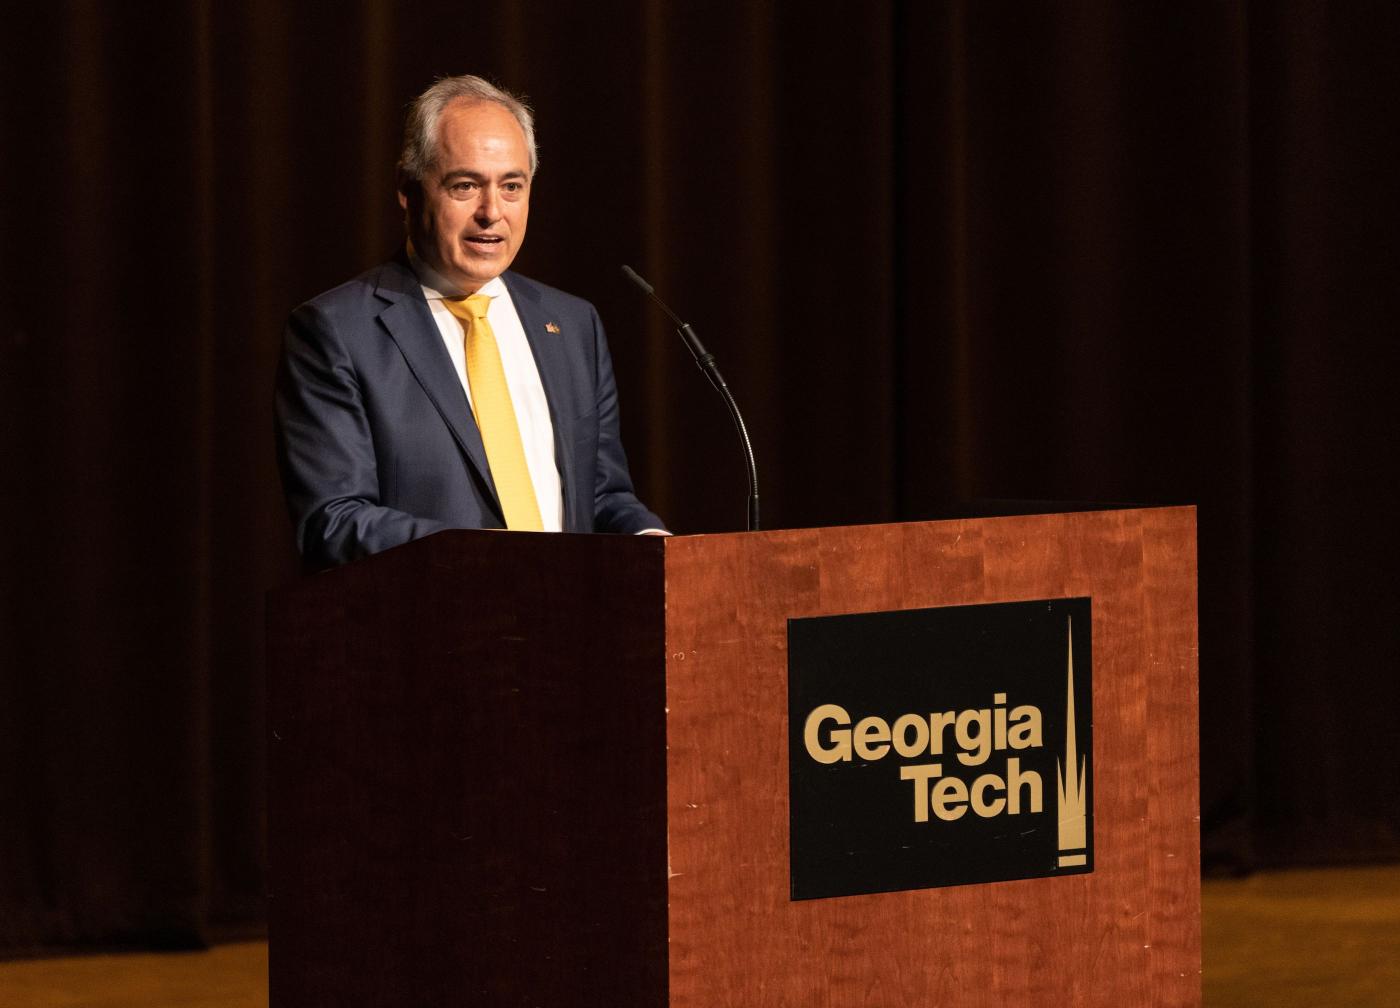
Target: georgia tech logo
(1073, 797)
(975, 733)
(966, 738)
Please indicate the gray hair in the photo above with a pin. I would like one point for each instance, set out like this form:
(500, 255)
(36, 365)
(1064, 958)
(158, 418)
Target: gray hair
(420, 129)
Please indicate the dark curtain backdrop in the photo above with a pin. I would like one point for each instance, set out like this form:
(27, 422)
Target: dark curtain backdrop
(1090, 251)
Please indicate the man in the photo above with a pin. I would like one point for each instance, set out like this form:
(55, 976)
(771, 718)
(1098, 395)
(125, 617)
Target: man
(439, 390)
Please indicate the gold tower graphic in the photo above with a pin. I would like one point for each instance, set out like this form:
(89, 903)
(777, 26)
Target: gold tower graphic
(1073, 808)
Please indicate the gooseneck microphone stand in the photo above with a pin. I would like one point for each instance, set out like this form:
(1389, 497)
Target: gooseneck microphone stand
(706, 362)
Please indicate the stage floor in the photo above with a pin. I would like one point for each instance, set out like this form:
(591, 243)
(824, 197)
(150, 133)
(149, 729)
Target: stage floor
(1320, 937)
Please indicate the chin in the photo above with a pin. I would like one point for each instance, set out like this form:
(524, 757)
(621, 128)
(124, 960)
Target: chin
(480, 275)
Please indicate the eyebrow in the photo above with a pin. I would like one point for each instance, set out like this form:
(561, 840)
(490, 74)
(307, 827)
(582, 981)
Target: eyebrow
(475, 176)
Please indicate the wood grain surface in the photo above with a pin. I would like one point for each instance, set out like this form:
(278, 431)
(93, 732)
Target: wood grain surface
(1126, 934)
(467, 777)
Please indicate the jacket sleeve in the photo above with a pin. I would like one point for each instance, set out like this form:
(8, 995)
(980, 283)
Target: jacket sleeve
(325, 451)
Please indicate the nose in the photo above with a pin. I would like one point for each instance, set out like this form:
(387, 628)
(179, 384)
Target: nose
(488, 206)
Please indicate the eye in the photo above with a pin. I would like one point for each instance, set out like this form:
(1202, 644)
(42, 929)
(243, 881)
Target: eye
(461, 190)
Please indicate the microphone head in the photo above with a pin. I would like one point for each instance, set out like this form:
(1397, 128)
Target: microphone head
(631, 274)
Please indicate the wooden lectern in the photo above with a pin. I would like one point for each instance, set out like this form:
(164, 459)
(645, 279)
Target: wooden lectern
(552, 770)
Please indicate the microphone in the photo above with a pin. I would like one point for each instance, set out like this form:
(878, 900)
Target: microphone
(706, 362)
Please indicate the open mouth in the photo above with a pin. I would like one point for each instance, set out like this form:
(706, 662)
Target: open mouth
(485, 241)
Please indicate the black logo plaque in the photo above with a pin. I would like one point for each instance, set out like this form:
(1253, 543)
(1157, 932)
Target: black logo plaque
(937, 747)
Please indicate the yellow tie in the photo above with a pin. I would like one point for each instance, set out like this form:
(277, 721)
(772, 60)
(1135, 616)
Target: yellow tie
(495, 416)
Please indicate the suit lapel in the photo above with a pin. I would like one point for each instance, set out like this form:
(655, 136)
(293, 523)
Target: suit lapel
(553, 368)
(410, 324)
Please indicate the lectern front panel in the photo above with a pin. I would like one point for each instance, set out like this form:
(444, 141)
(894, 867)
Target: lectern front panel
(1120, 928)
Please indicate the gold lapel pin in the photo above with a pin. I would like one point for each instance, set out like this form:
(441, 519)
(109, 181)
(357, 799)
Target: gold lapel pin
(551, 327)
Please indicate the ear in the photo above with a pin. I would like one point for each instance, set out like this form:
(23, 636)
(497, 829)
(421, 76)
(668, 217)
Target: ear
(407, 186)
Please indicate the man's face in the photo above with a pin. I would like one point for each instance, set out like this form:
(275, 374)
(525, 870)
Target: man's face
(467, 216)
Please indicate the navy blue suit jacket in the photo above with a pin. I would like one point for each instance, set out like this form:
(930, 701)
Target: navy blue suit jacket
(376, 441)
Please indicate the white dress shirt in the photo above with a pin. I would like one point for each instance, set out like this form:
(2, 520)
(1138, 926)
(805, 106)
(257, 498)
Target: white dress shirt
(522, 378)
